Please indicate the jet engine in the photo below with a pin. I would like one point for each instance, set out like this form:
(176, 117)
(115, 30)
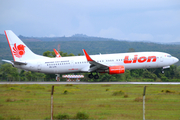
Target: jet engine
(116, 69)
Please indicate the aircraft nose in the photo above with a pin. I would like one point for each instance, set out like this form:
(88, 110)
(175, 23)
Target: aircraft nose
(175, 60)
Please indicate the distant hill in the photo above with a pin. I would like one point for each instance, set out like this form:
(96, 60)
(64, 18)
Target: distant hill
(93, 45)
(76, 37)
(3, 38)
(175, 43)
(80, 35)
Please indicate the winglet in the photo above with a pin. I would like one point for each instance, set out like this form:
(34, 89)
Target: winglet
(87, 56)
(57, 54)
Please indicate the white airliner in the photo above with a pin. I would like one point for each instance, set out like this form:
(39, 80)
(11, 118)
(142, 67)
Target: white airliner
(25, 59)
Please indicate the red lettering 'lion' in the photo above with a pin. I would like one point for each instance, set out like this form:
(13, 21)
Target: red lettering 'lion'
(19, 51)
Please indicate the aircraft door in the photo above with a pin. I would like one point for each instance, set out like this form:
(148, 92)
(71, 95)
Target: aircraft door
(72, 63)
(161, 58)
(38, 66)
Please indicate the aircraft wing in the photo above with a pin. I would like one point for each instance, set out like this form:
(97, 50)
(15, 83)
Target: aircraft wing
(94, 65)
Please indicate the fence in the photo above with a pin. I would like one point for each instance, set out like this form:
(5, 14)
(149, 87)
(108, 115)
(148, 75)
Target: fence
(95, 101)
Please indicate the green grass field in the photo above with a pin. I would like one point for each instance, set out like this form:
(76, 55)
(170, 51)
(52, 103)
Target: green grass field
(98, 101)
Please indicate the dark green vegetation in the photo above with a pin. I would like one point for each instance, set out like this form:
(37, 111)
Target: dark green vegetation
(90, 101)
(9, 73)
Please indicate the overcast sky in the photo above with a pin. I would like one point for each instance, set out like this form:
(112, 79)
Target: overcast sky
(135, 20)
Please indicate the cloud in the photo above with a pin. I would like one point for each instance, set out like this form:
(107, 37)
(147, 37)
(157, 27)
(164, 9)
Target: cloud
(140, 37)
(111, 33)
(165, 38)
(177, 39)
(118, 34)
(133, 20)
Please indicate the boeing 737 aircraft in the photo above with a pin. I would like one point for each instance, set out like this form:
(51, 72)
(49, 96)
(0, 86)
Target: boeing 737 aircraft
(25, 59)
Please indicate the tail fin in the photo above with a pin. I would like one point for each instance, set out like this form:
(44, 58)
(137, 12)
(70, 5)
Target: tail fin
(57, 54)
(19, 50)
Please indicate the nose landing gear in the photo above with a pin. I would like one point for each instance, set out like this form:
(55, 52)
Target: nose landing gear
(162, 71)
(165, 68)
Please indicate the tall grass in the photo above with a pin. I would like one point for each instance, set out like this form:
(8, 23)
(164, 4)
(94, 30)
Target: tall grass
(97, 101)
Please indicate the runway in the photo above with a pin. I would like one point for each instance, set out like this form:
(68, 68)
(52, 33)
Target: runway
(85, 83)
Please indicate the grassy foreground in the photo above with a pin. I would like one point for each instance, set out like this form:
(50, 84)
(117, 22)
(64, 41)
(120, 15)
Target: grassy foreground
(98, 101)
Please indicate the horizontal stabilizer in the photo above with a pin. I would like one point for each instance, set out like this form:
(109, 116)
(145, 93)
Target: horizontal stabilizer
(15, 62)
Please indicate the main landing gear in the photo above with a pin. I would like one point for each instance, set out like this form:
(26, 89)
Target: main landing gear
(58, 77)
(95, 76)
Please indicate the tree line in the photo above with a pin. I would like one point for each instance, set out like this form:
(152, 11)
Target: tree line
(10, 73)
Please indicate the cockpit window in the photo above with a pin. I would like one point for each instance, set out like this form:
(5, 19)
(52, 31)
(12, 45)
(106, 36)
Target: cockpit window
(168, 55)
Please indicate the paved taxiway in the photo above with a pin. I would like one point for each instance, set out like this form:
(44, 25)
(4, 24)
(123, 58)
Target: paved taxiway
(145, 83)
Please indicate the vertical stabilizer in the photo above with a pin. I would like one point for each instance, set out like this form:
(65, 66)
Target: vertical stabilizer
(19, 50)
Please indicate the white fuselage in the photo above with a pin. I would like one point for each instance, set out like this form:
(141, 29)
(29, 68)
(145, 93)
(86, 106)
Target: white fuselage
(136, 60)
(25, 59)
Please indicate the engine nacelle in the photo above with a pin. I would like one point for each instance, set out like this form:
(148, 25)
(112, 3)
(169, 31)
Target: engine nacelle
(116, 69)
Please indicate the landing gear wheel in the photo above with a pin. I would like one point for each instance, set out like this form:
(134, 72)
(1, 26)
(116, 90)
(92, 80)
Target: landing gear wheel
(96, 77)
(162, 71)
(90, 76)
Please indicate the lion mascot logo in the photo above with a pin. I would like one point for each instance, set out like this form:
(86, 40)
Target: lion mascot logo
(19, 50)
